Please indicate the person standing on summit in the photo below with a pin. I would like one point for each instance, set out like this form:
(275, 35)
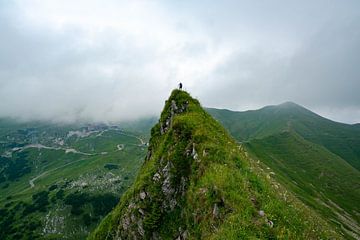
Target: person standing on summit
(180, 86)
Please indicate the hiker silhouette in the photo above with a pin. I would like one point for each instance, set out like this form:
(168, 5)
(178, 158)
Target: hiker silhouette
(180, 86)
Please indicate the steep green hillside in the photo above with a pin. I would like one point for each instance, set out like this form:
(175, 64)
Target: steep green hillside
(317, 176)
(58, 181)
(196, 183)
(341, 139)
(314, 157)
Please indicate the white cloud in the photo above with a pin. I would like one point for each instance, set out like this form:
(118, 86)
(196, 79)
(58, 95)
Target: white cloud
(117, 60)
(117, 63)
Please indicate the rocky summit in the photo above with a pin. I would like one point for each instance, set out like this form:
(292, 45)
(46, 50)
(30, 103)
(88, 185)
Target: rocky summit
(197, 182)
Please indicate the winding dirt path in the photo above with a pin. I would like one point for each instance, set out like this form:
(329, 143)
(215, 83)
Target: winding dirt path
(142, 142)
(31, 181)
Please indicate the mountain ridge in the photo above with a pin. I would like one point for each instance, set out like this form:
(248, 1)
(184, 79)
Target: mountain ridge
(285, 105)
(311, 155)
(340, 138)
(198, 183)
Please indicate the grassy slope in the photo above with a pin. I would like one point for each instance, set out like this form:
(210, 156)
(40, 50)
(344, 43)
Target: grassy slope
(319, 177)
(341, 139)
(309, 154)
(207, 188)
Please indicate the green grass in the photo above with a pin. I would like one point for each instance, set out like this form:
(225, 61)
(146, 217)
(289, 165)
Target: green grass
(315, 158)
(61, 173)
(316, 175)
(339, 138)
(207, 188)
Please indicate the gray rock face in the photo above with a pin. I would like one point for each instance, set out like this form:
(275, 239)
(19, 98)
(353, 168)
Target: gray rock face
(183, 185)
(134, 223)
(174, 109)
(261, 213)
(141, 230)
(194, 153)
(148, 155)
(126, 223)
(183, 235)
(215, 211)
(156, 177)
(142, 195)
(167, 188)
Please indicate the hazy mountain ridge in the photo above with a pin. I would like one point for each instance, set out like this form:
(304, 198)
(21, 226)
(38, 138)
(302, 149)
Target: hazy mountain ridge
(340, 138)
(197, 183)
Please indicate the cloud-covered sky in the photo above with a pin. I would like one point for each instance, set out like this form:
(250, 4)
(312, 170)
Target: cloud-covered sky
(67, 60)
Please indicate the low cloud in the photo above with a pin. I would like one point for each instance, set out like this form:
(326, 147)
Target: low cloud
(87, 60)
(321, 74)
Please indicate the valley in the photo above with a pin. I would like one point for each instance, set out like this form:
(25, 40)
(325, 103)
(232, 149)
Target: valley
(59, 181)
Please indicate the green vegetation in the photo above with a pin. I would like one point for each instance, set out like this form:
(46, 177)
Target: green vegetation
(196, 183)
(59, 181)
(315, 158)
(339, 138)
(101, 203)
(13, 169)
(316, 175)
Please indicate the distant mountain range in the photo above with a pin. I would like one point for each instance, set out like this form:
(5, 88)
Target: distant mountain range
(316, 158)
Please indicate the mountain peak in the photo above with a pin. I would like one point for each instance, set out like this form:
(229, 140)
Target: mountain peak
(291, 108)
(289, 104)
(196, 183)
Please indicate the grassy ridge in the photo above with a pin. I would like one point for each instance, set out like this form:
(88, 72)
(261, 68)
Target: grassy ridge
(316, 175)
(341, 139)
(314, 157)
(197, 184)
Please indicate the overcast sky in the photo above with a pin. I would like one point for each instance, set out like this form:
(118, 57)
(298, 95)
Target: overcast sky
(71, 60)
